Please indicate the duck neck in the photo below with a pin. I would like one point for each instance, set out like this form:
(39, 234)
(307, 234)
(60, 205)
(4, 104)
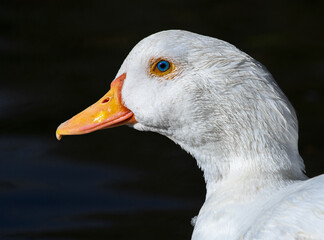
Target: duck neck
(248, 170)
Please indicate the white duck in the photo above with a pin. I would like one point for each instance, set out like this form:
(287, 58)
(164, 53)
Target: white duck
(225, 109)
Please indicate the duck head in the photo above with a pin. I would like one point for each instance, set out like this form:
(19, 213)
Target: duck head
(218, 103)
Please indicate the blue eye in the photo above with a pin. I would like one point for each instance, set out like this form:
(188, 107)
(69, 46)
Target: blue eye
(163, 66)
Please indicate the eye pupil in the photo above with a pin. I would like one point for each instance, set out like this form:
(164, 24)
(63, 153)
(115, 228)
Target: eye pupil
(163, 66)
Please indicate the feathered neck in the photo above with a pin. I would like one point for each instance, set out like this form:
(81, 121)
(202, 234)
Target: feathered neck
(251, 132)
(249, 160)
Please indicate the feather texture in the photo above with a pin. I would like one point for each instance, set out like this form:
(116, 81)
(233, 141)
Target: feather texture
(225, 109)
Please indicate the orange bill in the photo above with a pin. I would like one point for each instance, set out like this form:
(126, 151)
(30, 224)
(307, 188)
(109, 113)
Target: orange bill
(108, 112)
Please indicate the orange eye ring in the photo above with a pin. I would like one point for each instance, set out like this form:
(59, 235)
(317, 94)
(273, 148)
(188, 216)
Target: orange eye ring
(162, 67)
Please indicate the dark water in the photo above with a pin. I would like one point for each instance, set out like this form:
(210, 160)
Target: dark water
(57, 57)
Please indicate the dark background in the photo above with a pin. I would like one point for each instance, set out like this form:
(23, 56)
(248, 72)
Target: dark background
(57, 57)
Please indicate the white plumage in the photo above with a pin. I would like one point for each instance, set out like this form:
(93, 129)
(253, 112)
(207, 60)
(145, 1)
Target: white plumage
(225, 109)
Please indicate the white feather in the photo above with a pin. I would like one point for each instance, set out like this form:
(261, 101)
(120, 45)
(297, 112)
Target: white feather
(224, 108)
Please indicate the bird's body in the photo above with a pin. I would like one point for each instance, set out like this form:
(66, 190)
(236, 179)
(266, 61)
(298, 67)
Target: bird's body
(293, 211)
(225, 109)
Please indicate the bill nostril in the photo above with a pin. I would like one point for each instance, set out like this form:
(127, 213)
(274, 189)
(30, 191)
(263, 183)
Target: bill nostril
(105, 100)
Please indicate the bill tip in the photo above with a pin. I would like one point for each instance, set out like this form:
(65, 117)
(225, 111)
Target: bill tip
(58, 136)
